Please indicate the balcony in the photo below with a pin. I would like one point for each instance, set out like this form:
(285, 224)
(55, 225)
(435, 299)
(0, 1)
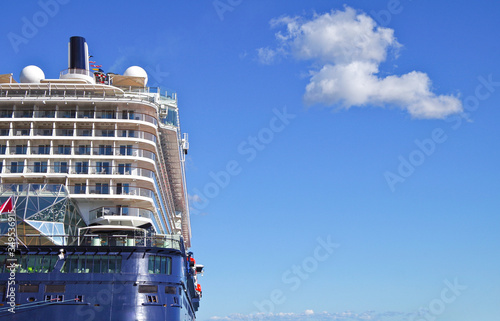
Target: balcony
(21, 131)
(43, 132)
(106, 189)
(64, 132)
(119, 211)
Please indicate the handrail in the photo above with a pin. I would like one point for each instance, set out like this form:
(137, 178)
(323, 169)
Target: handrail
(70, 132)
(119, 211)
(79, 114)
(102, 240)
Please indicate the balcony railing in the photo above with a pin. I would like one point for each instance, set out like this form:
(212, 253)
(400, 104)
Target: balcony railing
(83, 132)
(119, 211)
(79, 169)
(147, 94)
(77, 71)
(85, 114)
(86, 150)
(106, 189)
(42, 131)
(104, 240)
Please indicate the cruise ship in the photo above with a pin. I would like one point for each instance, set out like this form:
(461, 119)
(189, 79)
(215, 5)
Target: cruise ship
(94, 222)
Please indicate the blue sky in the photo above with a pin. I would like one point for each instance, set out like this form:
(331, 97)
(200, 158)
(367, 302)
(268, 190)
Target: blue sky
(344, 155)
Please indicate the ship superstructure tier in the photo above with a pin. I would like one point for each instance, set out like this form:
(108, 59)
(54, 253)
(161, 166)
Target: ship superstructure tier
(95, 164)
(115, 148)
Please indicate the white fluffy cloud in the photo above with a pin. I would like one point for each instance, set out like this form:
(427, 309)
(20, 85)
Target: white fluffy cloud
(349, 47)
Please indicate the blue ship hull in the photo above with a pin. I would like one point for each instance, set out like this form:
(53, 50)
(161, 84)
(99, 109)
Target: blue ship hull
(96, 283)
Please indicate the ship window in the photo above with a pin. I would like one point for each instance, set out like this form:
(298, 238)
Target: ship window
(104, 264)
(40, 167)
(92, 264)
(25, 288)
(3, 148)
(66, 132)
(126, 149)
(118, 260)
(152, 298)
(21, 149)
(172, 117)
(102, 168)
(47, 263)
(122, 209)
(47, 113)
(72, 264)
(108, 114)
(96, 268)
(148, 289)
(68, 113)
(105, 150)
(101, 188)
(87, 114)
(25, 113)
(108, 133)
(34, 263)
(128, 114)
(80, 264)
(5, 113)
(43, 149)
(82, 167)
(151, 264)
(163, 265)
(112, 265)
(64, 149)
(30, 265)
(17, 167)
(88, 264)
(4, 132)
(125, 169)
(84, 149)
(60, 167)
(43, 132)
(159, 264)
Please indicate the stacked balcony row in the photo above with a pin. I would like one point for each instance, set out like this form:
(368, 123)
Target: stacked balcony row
(67, 149)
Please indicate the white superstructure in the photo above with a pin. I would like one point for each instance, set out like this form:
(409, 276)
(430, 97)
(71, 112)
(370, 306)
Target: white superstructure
(114, 144)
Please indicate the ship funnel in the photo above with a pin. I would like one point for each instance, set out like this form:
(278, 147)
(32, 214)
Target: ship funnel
(78, 53)
(78, 61)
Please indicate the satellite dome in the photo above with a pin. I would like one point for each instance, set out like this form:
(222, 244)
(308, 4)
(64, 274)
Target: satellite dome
(31, 74)
(136, 71)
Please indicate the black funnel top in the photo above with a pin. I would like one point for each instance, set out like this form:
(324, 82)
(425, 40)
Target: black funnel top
(77, 57)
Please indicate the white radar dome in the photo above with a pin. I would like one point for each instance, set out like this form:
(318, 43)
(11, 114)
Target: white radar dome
(136, 71)
(31, 74)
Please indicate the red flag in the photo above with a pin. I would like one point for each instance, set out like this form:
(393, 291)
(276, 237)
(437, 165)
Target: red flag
(7, 206)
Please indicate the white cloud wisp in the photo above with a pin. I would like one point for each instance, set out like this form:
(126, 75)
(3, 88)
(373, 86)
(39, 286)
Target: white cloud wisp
(350, 47)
